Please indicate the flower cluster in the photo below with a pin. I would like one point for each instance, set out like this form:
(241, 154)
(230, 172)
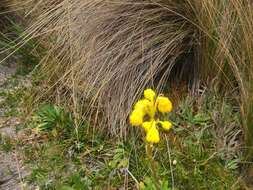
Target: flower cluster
(145, 114)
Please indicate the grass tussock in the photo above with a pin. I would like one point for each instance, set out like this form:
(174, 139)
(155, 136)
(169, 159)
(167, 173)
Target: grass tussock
(122, 47)
(102, 54)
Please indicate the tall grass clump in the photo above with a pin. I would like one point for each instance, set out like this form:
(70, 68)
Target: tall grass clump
(227, 54)
(102, 54)
(105, 53)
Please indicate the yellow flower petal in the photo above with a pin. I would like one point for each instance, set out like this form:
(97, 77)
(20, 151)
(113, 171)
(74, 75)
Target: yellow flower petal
(166, 125)
(147, 125)
(164, 104)
(143, 104)
(149, 94)
(136, 117)
(153, 135)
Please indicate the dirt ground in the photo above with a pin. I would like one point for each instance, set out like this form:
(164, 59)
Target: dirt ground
(12, 171)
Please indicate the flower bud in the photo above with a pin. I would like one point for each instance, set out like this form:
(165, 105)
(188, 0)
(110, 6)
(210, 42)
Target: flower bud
(147, 125)
(166, 125)
(136, 118)
(164, 105)
(153, 135)
(149, 94)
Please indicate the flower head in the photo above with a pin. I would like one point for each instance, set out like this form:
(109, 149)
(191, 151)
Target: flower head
(149, 106)
(136, 117)
(143, 105)
(153, 135)
(166, 125)
(147, 125)
(149, 94)
(164, 105)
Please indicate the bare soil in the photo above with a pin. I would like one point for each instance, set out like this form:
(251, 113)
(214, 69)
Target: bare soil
(12, 170)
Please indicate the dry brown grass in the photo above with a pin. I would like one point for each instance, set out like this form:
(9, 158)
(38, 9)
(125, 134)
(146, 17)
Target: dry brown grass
(108, 52)
(104, 53)
(228, 50)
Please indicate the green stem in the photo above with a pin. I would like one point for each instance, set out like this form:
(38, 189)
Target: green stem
(153, 166)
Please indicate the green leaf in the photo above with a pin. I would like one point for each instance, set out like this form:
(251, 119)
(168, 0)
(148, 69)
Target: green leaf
(66, 188)
(201, 119)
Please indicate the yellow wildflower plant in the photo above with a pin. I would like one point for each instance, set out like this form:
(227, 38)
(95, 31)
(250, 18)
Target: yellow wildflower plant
(149, 107)
(146, 115)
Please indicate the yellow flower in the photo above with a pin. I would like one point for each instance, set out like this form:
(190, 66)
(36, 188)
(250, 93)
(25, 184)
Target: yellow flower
(149, 106)
(149, 94)
(164, 104)
(166, 125)
(153, 135)
(147, 125)
(136, 117)
(142, 104)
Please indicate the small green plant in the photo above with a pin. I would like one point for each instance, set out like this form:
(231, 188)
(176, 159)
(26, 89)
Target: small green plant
(151, 108)
(120, 159)
(52, 118)
(149, 185)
